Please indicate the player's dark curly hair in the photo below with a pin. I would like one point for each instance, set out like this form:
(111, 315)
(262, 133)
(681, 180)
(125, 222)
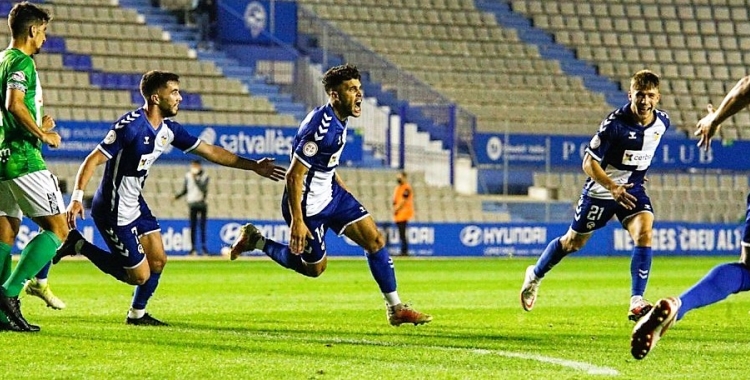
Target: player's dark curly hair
(153, 80)
(337, 75)
(644, 79)
(23, 15)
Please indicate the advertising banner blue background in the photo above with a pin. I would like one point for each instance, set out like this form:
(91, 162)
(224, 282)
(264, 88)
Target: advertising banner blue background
(79, 138)
(567, 151)
(455, 239)
(252, 21)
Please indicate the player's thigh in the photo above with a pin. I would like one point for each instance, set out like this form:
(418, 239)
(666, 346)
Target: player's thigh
(9, 229)
(154, 250)
(365, 233)
(640, 226)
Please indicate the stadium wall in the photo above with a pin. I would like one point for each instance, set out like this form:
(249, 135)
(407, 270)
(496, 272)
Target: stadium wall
(454, 239)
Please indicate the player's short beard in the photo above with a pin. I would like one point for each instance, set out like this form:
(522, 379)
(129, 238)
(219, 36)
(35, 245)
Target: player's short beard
(167, 112)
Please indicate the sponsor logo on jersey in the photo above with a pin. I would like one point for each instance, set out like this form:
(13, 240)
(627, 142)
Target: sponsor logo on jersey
(145, 140)
(310, 148)
(637, 157)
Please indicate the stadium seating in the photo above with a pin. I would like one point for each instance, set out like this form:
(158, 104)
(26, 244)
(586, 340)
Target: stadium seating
(691, 197)
(97, 52)
(695, 45)
(242, 195)
(464, 54)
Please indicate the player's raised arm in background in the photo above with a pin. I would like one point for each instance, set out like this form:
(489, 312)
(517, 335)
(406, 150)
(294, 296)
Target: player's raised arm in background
(298, 230)
(737, 99)
(593, 169)
(85, 172)
(264, 167)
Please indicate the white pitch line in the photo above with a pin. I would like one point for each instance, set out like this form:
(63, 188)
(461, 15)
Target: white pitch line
(579, 366)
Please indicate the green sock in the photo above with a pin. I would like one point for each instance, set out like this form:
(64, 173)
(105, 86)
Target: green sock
(5, 263)
(38, 252)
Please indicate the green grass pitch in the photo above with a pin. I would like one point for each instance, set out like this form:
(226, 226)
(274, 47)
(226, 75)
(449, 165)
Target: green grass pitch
(254, 320)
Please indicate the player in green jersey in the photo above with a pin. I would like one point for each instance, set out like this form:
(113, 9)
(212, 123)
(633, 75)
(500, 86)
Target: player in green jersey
(26, 186)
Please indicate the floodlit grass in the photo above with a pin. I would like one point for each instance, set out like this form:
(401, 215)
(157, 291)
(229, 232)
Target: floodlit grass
(254, 320)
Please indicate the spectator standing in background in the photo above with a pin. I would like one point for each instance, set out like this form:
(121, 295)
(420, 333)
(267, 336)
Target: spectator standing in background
(195, 187)
(204, 13)
(403, 209)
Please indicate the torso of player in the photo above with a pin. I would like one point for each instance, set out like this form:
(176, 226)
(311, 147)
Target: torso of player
(318, 145)
(132, 146)
(625, 149)
(20, 151)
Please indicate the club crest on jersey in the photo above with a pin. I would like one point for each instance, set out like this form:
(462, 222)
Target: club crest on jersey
(310, 148)
(163, 140)
(595, 142)
(110, 137)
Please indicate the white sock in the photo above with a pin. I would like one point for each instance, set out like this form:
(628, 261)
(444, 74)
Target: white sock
(136, 313)
(392, 298)
(42, 282)
(634, 299)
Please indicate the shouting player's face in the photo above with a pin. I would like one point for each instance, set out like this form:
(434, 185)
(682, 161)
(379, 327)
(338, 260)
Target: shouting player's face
(169, 99)
(643, 103)
(347, 99)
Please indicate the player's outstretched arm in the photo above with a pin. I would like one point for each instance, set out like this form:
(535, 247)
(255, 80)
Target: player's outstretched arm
(737, 99)
(265, 167)
(85, 171)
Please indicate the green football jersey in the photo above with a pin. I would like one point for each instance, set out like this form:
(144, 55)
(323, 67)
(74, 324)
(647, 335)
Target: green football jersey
(20, 151)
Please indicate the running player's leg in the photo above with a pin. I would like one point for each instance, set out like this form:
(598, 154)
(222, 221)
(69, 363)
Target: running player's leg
(152, 245)
(590, 215)
(39, 287)
(39, 198)
(640, 227)
(9, 227)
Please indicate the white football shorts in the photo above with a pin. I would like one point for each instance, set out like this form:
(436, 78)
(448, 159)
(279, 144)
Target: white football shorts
(34, 194)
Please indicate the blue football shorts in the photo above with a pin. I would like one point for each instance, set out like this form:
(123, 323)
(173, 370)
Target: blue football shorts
(342, 211)
(124, 241)
(592, 214)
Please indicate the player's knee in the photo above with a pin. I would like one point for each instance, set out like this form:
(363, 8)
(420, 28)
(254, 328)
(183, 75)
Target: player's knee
(61, 233)
(138, 278)
(315, 270)
(571, 245)
(376, 244)
(157, 265)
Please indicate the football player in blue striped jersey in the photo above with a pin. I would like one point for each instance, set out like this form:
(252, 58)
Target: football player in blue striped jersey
(120, 213)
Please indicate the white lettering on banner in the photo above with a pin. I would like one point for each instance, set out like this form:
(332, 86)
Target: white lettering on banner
(663, 239)
(729, 240)
(176, 240)
(25, 234)
(515, 235)
(416, 235)
(573, 151)
(271, 142)
(276, 232)
(700, 239)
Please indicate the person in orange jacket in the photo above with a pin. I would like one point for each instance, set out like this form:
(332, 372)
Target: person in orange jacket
(403, 209)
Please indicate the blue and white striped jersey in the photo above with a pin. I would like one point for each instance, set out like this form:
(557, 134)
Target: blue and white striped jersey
(132, 145)
(318, 145)
(624, 149)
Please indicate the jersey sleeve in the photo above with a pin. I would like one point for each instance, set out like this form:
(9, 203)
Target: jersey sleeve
(22, 74)
(602, 140)
(183, 140)
(117, 138)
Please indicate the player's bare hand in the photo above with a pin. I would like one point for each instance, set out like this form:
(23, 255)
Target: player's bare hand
(621, 196)
(75, 208)
(266, 168)
(707, 128)
(299, 235)
(48, 123)
(51, 138)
